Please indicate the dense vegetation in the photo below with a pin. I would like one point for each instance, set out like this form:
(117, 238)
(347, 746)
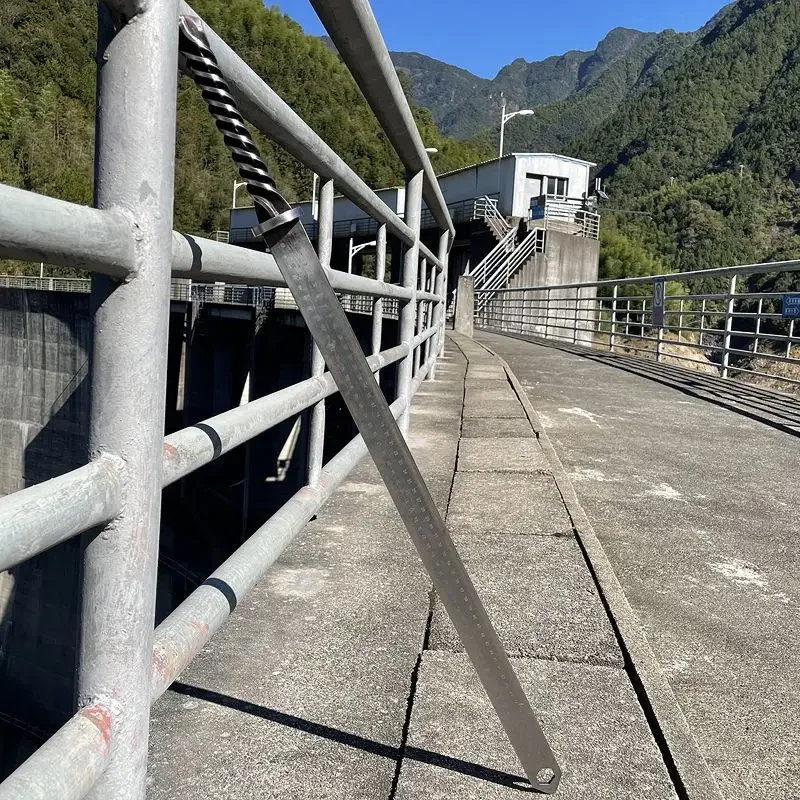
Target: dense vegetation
(710, 150)
(47, 87)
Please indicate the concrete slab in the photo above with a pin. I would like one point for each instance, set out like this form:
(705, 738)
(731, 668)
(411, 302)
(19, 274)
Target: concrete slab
(501, 455)
(505, 427)
(510, 503)
(493, 403)
(540, 597)
(486, 370)
(692, 503)
(304, 692)
(457, 749)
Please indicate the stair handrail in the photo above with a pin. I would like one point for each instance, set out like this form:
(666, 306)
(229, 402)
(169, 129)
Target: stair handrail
(496, 255)
(502, 274)
(486, 209)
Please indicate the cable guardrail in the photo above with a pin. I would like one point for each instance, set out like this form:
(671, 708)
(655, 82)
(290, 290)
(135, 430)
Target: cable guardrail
(721, 320)
(126, 242)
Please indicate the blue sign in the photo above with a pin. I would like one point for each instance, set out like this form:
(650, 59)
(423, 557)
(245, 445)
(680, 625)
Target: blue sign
(791, 306)
(658, 303)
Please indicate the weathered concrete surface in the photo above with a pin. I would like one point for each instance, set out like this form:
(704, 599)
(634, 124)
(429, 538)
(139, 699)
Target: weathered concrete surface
(590, 715)
(521, 503)
(539, 595)
(501, 455)
(312, 690)
(538, 591)
(304, 692)
(465, 303)
(694, 505)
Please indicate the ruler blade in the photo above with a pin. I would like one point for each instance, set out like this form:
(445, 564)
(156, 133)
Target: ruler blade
(328, 324)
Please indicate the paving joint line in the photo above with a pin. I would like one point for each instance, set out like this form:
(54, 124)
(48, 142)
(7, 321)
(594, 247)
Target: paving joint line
(683, 759)
(412, 694)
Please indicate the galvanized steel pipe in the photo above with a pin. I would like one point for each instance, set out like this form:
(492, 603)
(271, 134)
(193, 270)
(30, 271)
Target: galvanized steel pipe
(275, 119)
(182, 635)
(353, 29)
(135, 150)
(67, 765)
(38, 228)
(37, 518)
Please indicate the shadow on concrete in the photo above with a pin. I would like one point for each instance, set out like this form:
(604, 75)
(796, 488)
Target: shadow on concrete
(773, 408)
(354, 740)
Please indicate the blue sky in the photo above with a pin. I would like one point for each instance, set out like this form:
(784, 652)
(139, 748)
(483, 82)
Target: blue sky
(482, 36)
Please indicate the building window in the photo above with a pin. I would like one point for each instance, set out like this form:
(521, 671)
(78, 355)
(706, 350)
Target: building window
(557, 186)
(542, 184)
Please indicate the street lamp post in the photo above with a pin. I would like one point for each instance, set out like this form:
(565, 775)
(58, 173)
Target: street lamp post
(236, 185)
(355, 250)
(524, 112)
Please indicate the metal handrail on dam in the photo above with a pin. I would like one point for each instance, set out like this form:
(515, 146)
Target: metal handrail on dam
(127, 243)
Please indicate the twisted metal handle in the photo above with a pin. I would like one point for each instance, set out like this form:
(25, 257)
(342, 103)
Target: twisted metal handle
(201, 65)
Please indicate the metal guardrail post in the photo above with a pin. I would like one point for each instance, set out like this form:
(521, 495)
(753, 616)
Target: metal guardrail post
(758, 324)
(377, 306)
(440, 311)
(728, 326)
(547, 315)
(575, 318)
(422, 312)
(612, 341)
(135, 146)
(316, 429)
(408, 313)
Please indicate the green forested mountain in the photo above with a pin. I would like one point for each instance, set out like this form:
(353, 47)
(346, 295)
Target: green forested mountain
(557, 124)
(47, 86)
(463, 104)
(712, 149)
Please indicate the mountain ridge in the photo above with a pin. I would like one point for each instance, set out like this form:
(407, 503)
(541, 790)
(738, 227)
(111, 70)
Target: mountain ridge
(463, 104)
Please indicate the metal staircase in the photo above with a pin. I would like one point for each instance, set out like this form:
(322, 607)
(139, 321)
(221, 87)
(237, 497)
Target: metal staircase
(508, 256)
(486, 209)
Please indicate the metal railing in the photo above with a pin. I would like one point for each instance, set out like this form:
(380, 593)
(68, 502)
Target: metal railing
(485, 208)
(726, 321)
(126, 242)
(508, 268)
(567, 215)
(204, 293)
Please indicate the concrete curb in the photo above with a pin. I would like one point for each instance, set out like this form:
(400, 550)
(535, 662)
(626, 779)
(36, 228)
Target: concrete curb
(687, 766)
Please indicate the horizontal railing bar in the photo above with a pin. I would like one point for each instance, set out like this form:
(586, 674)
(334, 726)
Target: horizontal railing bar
(67, 765)
(356, 35)
(181, 636)
(261, 105)
(189, 449)
(717, 272)
(34, 227)
(35, 519)
(207, 260)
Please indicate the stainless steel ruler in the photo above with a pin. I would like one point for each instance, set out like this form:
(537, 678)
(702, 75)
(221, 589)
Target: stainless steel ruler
(326, 321)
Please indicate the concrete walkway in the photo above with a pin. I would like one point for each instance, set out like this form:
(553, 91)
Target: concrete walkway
(340, 676)
(695, 505)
